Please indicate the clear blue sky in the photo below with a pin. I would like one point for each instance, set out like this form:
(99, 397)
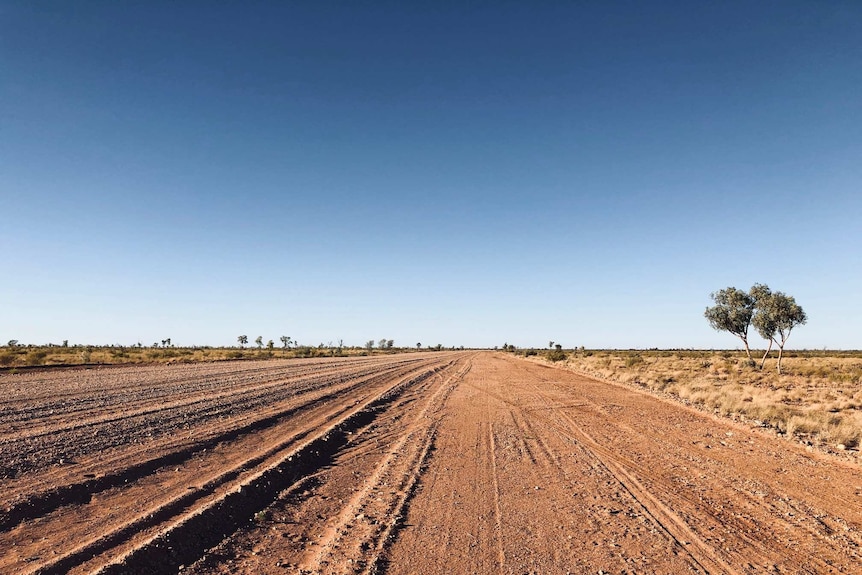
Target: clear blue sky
(435, 172)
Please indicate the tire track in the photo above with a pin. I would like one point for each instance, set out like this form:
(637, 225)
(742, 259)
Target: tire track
(250, 474)
(669, 522)
(103, 477)
(75, 420)
(778, 504)
(357, 540)
(661, 514)
(630, 475)
(498, 512)
(187, 539)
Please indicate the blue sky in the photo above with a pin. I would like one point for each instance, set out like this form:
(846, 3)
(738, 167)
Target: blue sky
(456, 173)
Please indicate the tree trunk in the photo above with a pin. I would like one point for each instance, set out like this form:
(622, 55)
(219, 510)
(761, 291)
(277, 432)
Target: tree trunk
(747, 350)
(780, 350)
(765, 355)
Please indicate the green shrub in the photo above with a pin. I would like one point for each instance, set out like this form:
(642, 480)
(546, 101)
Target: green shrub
(557, 355)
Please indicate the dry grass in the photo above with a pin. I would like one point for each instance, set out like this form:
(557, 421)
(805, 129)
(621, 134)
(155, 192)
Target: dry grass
(12, 358)
(818, 398)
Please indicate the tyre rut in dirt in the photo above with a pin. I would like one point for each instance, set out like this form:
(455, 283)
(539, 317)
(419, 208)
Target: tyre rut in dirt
(693, 525)
(370, 520)
(75, 435)
(671, 523)
(188, 536)
(39, 504)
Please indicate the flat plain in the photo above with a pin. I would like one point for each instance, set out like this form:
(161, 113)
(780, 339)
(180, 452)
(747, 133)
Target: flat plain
(425, 463)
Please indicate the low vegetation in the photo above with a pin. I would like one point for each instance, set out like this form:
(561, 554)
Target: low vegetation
(14, 356)
(816, 399)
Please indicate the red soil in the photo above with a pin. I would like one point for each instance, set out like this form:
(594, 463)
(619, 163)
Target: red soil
(415, 463)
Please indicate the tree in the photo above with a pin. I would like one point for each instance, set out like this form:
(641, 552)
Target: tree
(418, 346)
(243, 339)
(382, 343)
(550, 344)
(763, 323)
(12, 343)
(732, 312)
(285, 340)
(369, 345)
(775, 316)
(390, 343)
(558, 346)
(259, 341)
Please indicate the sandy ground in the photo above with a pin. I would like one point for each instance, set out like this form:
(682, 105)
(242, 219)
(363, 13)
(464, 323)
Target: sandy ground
(419, 463)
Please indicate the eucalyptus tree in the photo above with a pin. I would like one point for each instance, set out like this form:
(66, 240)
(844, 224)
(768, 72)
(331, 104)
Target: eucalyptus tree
(285, 340)
(733, 312)
(775, 316)
(242, 340)
(259, 341)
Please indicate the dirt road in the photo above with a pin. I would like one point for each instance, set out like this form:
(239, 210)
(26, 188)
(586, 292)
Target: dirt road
(416, 463)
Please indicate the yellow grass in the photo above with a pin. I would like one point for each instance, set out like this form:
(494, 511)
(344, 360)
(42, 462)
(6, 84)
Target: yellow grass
(817, 398)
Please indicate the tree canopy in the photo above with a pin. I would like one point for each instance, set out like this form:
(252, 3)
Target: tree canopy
(773, 315)
(732, 312)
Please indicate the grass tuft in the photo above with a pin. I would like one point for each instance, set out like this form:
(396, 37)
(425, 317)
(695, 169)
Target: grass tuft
(817, 398)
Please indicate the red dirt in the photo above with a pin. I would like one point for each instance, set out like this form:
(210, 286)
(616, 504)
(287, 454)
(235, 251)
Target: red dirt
(417, 463)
